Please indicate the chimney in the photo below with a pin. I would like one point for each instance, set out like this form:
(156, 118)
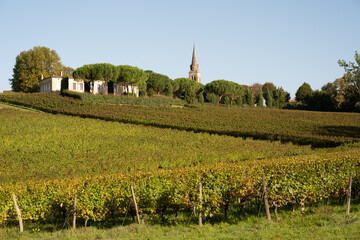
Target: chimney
(61, 73)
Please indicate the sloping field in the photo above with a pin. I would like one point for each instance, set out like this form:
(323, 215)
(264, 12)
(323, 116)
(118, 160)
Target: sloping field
(320, 129)
(46, 146)
(47, 159)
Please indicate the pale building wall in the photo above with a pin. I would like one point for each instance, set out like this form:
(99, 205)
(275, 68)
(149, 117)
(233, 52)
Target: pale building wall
(55, 84)
(99, 87)
(76, 86)
(50, 84)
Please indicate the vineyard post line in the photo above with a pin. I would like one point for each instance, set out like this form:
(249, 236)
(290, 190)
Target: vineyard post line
(74, 214)
(348, 200)
(200, 205)
(266, 199)
(135, 205)
(18, 213)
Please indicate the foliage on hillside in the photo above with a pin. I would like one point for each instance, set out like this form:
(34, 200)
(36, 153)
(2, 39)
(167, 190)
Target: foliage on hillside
(302, 127)
(71, 147)
(302, 179)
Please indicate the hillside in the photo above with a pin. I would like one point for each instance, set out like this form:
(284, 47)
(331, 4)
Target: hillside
(66, 149)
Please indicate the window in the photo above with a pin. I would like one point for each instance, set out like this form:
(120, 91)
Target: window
(74, 86)
(116, 89)
(81, 87)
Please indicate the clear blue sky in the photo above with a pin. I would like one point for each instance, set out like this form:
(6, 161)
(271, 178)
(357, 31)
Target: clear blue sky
(284, 42)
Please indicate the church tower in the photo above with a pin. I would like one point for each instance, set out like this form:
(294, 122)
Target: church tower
(194, 72)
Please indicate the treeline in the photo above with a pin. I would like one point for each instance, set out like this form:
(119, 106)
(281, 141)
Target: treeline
(151, 83)
(341, 95)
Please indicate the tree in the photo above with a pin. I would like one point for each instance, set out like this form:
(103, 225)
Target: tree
(159, 83)
(201, 98)
(351, 83)
(260, 100)
(278, 97)
(187, 89)
(249, 98)
(256, 89)
(303, 93)
(268, 87)
(99, 71)
(321, 101)
(269, 98)
(224, 88)
(130, 75)
(31, 64)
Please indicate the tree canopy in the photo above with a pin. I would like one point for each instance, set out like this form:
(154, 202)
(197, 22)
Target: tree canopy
(159, 84)
(187, 89)
(131, 75)
(31, 64)
(349, 87)
(223, 88)
(303, 93)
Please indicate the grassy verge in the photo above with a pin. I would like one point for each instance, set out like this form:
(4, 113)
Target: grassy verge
(318, 223)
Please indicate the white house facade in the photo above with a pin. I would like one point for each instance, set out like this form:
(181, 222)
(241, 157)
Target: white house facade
(53, 85)
(50, 84)
(76, 86)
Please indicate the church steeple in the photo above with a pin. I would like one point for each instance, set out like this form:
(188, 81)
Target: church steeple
(194, 72)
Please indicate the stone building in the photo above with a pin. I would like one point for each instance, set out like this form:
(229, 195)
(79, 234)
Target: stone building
(194, 72)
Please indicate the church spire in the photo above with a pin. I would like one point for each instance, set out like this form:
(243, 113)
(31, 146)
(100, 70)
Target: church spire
(194, 61)
(194, 72)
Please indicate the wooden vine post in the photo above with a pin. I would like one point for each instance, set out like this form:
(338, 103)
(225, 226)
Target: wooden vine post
(21, 226)
(135, 205)
(349, 195)
(266, 199)
(200, 204)
(74, 213)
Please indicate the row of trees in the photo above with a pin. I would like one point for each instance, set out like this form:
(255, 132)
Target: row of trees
(129, 76)
(341, 95)
(152, 83)
(41, 61)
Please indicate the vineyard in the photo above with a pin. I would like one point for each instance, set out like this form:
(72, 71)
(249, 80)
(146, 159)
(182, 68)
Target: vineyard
(320, 129)
(72, 146)
(48, 159)
(301, 180)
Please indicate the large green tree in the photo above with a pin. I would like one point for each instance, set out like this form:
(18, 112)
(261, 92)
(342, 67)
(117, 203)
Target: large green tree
(99, 71)
(31, 64)
(267, 89)
(351, 84)
(159, 84)
(279, 97)
(187, 89)
(303, 93)
(131, 76)
(223, 88)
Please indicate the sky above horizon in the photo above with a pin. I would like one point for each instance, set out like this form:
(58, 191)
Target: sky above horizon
(283, 42)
